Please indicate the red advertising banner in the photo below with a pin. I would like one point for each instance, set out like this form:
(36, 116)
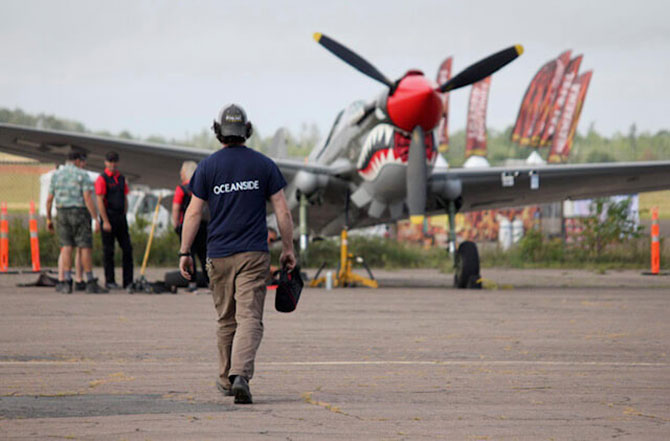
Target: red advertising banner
(536, 103)
(550, 96)
(530, 110)
(567, 124)
(571, 72)
(584, 81)
(475, 132)
(525, 106)
(444, 75)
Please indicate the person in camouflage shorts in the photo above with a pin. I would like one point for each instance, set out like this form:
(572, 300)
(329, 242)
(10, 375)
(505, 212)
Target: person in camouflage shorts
(74, 228)
(71, 189)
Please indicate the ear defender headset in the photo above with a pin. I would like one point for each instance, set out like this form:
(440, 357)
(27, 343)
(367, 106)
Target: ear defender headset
(232, 122)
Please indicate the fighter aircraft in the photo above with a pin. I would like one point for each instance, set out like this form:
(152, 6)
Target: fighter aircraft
(377, 164)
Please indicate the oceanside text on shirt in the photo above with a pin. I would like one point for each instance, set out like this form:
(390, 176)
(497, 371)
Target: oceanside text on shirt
(230, 187)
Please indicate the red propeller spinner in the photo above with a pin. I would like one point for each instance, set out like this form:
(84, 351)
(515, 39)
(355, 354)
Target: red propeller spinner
(415, 102)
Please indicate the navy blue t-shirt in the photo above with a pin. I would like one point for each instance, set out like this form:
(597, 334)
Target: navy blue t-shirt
(236, 182)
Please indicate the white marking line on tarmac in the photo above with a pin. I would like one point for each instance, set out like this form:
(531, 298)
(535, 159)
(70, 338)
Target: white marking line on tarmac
(464, 363)
(357, 363)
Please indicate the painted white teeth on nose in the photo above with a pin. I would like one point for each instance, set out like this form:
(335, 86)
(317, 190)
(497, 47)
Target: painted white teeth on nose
(382, 135)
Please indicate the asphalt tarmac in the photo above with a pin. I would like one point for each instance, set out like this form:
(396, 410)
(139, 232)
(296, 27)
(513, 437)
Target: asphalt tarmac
(540, 355)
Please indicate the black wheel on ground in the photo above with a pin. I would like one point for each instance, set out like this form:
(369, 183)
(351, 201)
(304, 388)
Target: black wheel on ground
(466, 270)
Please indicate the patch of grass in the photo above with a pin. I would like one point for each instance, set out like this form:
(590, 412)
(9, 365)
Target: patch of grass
(377, 253)
(536, 251)
(660, 199)
(20, 183)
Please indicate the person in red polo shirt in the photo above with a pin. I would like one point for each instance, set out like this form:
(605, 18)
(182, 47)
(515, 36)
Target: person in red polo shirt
(182, 197)
(111, 189)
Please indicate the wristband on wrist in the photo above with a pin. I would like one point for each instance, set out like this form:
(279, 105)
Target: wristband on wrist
(184, 255)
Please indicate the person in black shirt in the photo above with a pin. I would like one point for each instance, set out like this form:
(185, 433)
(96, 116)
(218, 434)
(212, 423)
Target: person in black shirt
(111, 189)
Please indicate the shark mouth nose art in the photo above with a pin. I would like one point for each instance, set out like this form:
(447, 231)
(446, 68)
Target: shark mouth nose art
(386, 145)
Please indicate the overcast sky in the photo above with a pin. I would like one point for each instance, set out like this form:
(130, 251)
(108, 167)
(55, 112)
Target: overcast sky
(167, 67)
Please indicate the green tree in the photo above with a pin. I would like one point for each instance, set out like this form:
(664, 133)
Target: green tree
(610, 223)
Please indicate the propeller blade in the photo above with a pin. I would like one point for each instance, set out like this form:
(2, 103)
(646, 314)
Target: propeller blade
(417, 172)
(482, 69)
(352, 59)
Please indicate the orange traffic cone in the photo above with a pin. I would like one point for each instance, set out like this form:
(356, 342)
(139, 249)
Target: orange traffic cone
(4, 239)
(34, 239)
(655, 243)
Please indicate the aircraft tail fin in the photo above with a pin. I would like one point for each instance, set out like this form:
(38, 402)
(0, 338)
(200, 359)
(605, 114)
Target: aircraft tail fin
(278, 148)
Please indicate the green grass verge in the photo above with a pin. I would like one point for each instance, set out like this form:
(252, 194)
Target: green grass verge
(534, 251)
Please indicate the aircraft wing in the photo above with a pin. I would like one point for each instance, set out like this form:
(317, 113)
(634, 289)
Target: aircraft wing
(498, 187)
(155, 165)
(145, 163)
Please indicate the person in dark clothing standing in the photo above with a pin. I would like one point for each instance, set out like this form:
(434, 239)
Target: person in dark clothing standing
(111, 189)
(182, 197)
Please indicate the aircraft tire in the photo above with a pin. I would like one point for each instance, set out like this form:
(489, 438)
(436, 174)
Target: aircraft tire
(466, 270)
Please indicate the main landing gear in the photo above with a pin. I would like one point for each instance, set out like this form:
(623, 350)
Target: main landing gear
(466, 267)
(466, 258)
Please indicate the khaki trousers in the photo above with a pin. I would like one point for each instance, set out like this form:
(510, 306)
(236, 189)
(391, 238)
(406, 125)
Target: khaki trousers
(238, 290)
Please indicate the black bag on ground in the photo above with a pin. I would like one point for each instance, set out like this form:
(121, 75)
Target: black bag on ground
(42, 280)
(174, 278)
(288, 290)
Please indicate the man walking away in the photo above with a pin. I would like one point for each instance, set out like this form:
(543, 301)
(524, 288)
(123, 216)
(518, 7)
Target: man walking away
(182, 197)
(71, 189)
(111, 189)
(236, 183)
